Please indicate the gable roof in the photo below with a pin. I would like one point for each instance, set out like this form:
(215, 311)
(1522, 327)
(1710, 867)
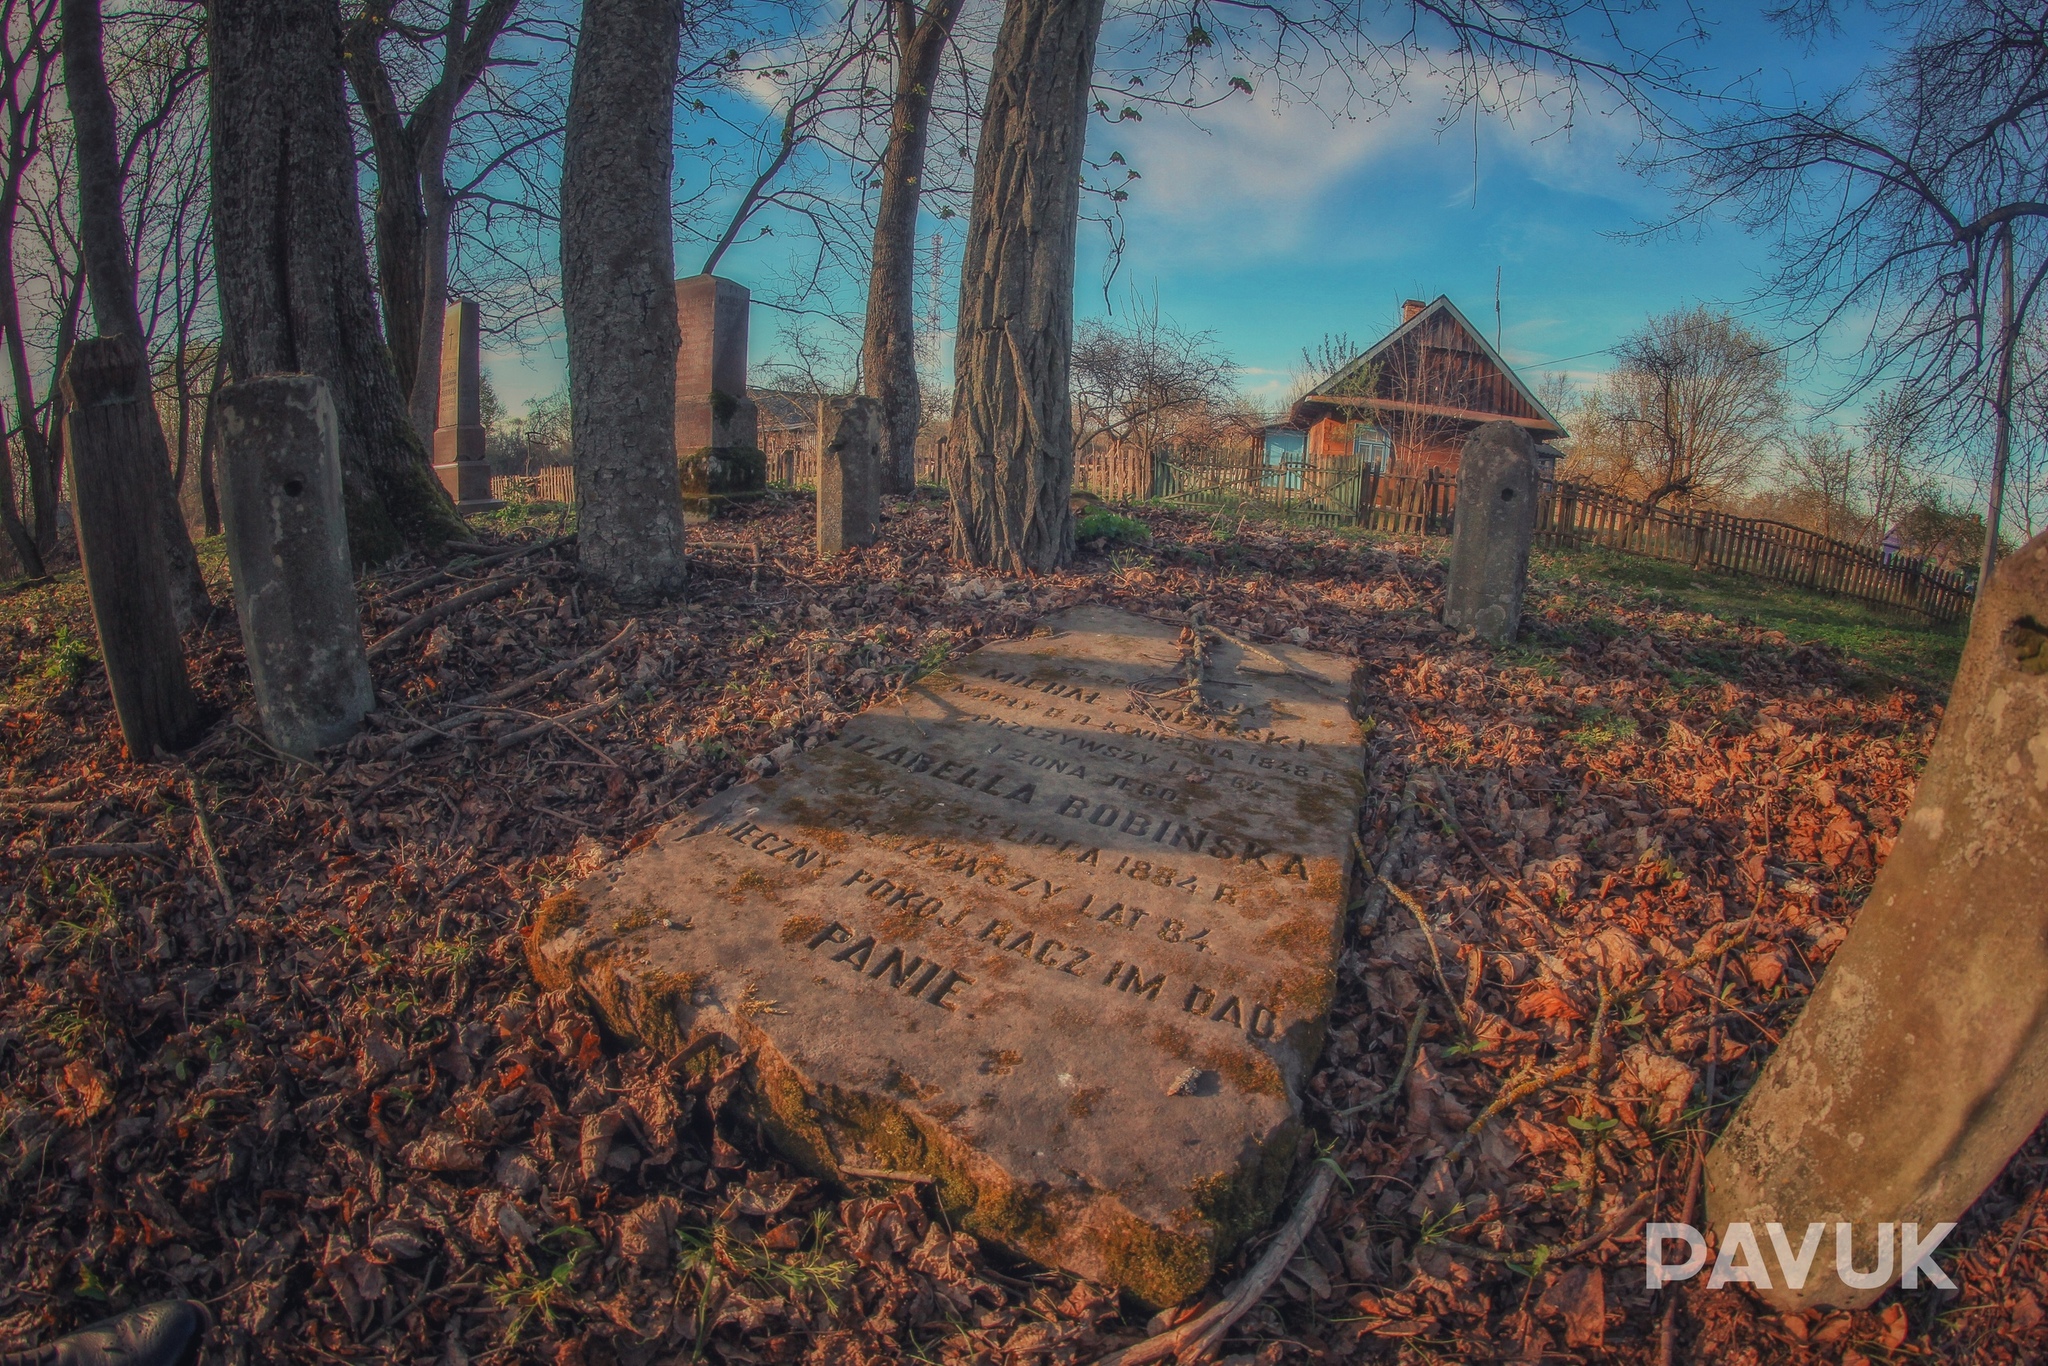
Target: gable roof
(1330, 390)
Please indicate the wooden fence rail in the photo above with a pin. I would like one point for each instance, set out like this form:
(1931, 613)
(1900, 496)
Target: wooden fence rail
(1342, 492)
(1333, 492)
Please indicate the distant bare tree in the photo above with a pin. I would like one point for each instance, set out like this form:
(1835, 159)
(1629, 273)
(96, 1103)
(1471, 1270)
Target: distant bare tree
(1693, 409)
(1894, 199)
(445, 49)
(1819, 478)
(111, 264)
(1134, 379)
(29, 66)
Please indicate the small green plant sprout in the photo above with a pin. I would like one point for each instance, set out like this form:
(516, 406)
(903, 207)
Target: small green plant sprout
(67, 659)
(525, 1296)
(1602, 730)
(1109, 528)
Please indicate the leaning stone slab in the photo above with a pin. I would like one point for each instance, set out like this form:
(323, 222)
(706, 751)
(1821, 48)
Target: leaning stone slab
(849, 473)
(1920, 1064)
(1496, 523)
(1034, 931)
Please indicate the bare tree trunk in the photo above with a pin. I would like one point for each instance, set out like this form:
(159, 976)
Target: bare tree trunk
(433, 307)
(889, 348)
(103, 238)
(209, 489)
(413, 204)
(294, 283)
(1011, 467)
(618, 296)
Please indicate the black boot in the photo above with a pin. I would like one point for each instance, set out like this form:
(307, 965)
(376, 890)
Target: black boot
(166, 1333)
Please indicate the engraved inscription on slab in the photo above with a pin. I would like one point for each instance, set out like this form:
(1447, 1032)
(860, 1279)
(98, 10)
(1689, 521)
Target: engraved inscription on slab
(1058, 929)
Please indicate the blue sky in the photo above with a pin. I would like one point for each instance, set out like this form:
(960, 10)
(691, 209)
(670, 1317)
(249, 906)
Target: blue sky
(1269, 226)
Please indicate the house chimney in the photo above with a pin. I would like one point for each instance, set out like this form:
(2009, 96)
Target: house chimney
(1411, 307)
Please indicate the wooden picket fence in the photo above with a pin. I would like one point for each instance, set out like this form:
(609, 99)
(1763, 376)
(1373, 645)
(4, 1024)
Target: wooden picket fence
(1339, 492)
(1346, 492)
(549, 484)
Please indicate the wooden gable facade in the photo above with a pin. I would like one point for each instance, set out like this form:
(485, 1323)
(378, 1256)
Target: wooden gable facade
(1409, 402)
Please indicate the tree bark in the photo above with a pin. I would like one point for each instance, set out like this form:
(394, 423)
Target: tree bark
(111, 420)
(209, 488)
(294, 282)
(1011, 467)
(618, 296)
(110, 271)
(889, 346)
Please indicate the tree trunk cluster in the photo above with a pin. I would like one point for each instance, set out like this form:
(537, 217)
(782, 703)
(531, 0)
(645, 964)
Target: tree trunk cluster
(294, 281)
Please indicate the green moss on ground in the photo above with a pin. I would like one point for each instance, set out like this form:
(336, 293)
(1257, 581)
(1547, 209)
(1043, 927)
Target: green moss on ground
(1894, 645)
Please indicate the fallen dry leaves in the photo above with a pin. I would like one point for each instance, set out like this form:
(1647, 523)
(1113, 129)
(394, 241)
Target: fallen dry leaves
(319, 1091)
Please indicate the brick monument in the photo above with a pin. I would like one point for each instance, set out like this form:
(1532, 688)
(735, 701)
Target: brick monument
(459, 439)
(717, 430)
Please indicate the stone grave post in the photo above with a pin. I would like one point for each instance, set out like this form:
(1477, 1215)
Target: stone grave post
(287, 536)
(718, 440)
(1496, 521)
(1921, 1062)
(849, 473)
(459, 439)
(108, 428)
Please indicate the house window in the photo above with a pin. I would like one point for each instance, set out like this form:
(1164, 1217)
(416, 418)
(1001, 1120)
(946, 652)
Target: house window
(1286, 457)
(1372, 447)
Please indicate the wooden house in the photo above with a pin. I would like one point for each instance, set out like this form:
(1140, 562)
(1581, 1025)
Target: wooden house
(1407, 405)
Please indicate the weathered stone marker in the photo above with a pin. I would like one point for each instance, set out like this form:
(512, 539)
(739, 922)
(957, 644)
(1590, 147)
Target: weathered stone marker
(988, 932)
(717, 428)
(1496, 522)
(112, 437)
(1921, 1062)
(459, 439)
(849, 473)
(287, 536)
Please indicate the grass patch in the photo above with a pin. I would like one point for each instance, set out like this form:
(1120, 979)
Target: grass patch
(1603, 729)
(1103, 525)
(1899, 646)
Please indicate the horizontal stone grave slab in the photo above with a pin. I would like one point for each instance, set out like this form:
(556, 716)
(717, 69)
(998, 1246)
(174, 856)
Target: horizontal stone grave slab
(1039, 930)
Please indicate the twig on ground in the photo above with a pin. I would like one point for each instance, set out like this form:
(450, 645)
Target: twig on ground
(1449, 811)
(440, 611)
(404, 591)
(153, 849)
(532, 680)
(1198, 1336)
(1547, 1254)
(220, 877)
(1386, 1097)
(521, 736)
(1435, 960)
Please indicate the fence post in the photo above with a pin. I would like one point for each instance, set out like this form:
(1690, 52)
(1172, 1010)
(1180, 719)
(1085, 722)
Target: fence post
(120, 545)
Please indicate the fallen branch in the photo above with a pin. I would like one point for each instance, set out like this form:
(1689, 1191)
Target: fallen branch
(1436, 961)
(220, 877)
(1199, 1335)
(1545, 1254)
(443, 575)
(1449, 811)
(413, 625)
(532, 680)
(1386, 1097)
(48, 794)
(521, 736)
(151, 850)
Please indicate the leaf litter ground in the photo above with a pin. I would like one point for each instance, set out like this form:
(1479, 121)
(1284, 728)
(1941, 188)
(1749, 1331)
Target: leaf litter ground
(270, 1040)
